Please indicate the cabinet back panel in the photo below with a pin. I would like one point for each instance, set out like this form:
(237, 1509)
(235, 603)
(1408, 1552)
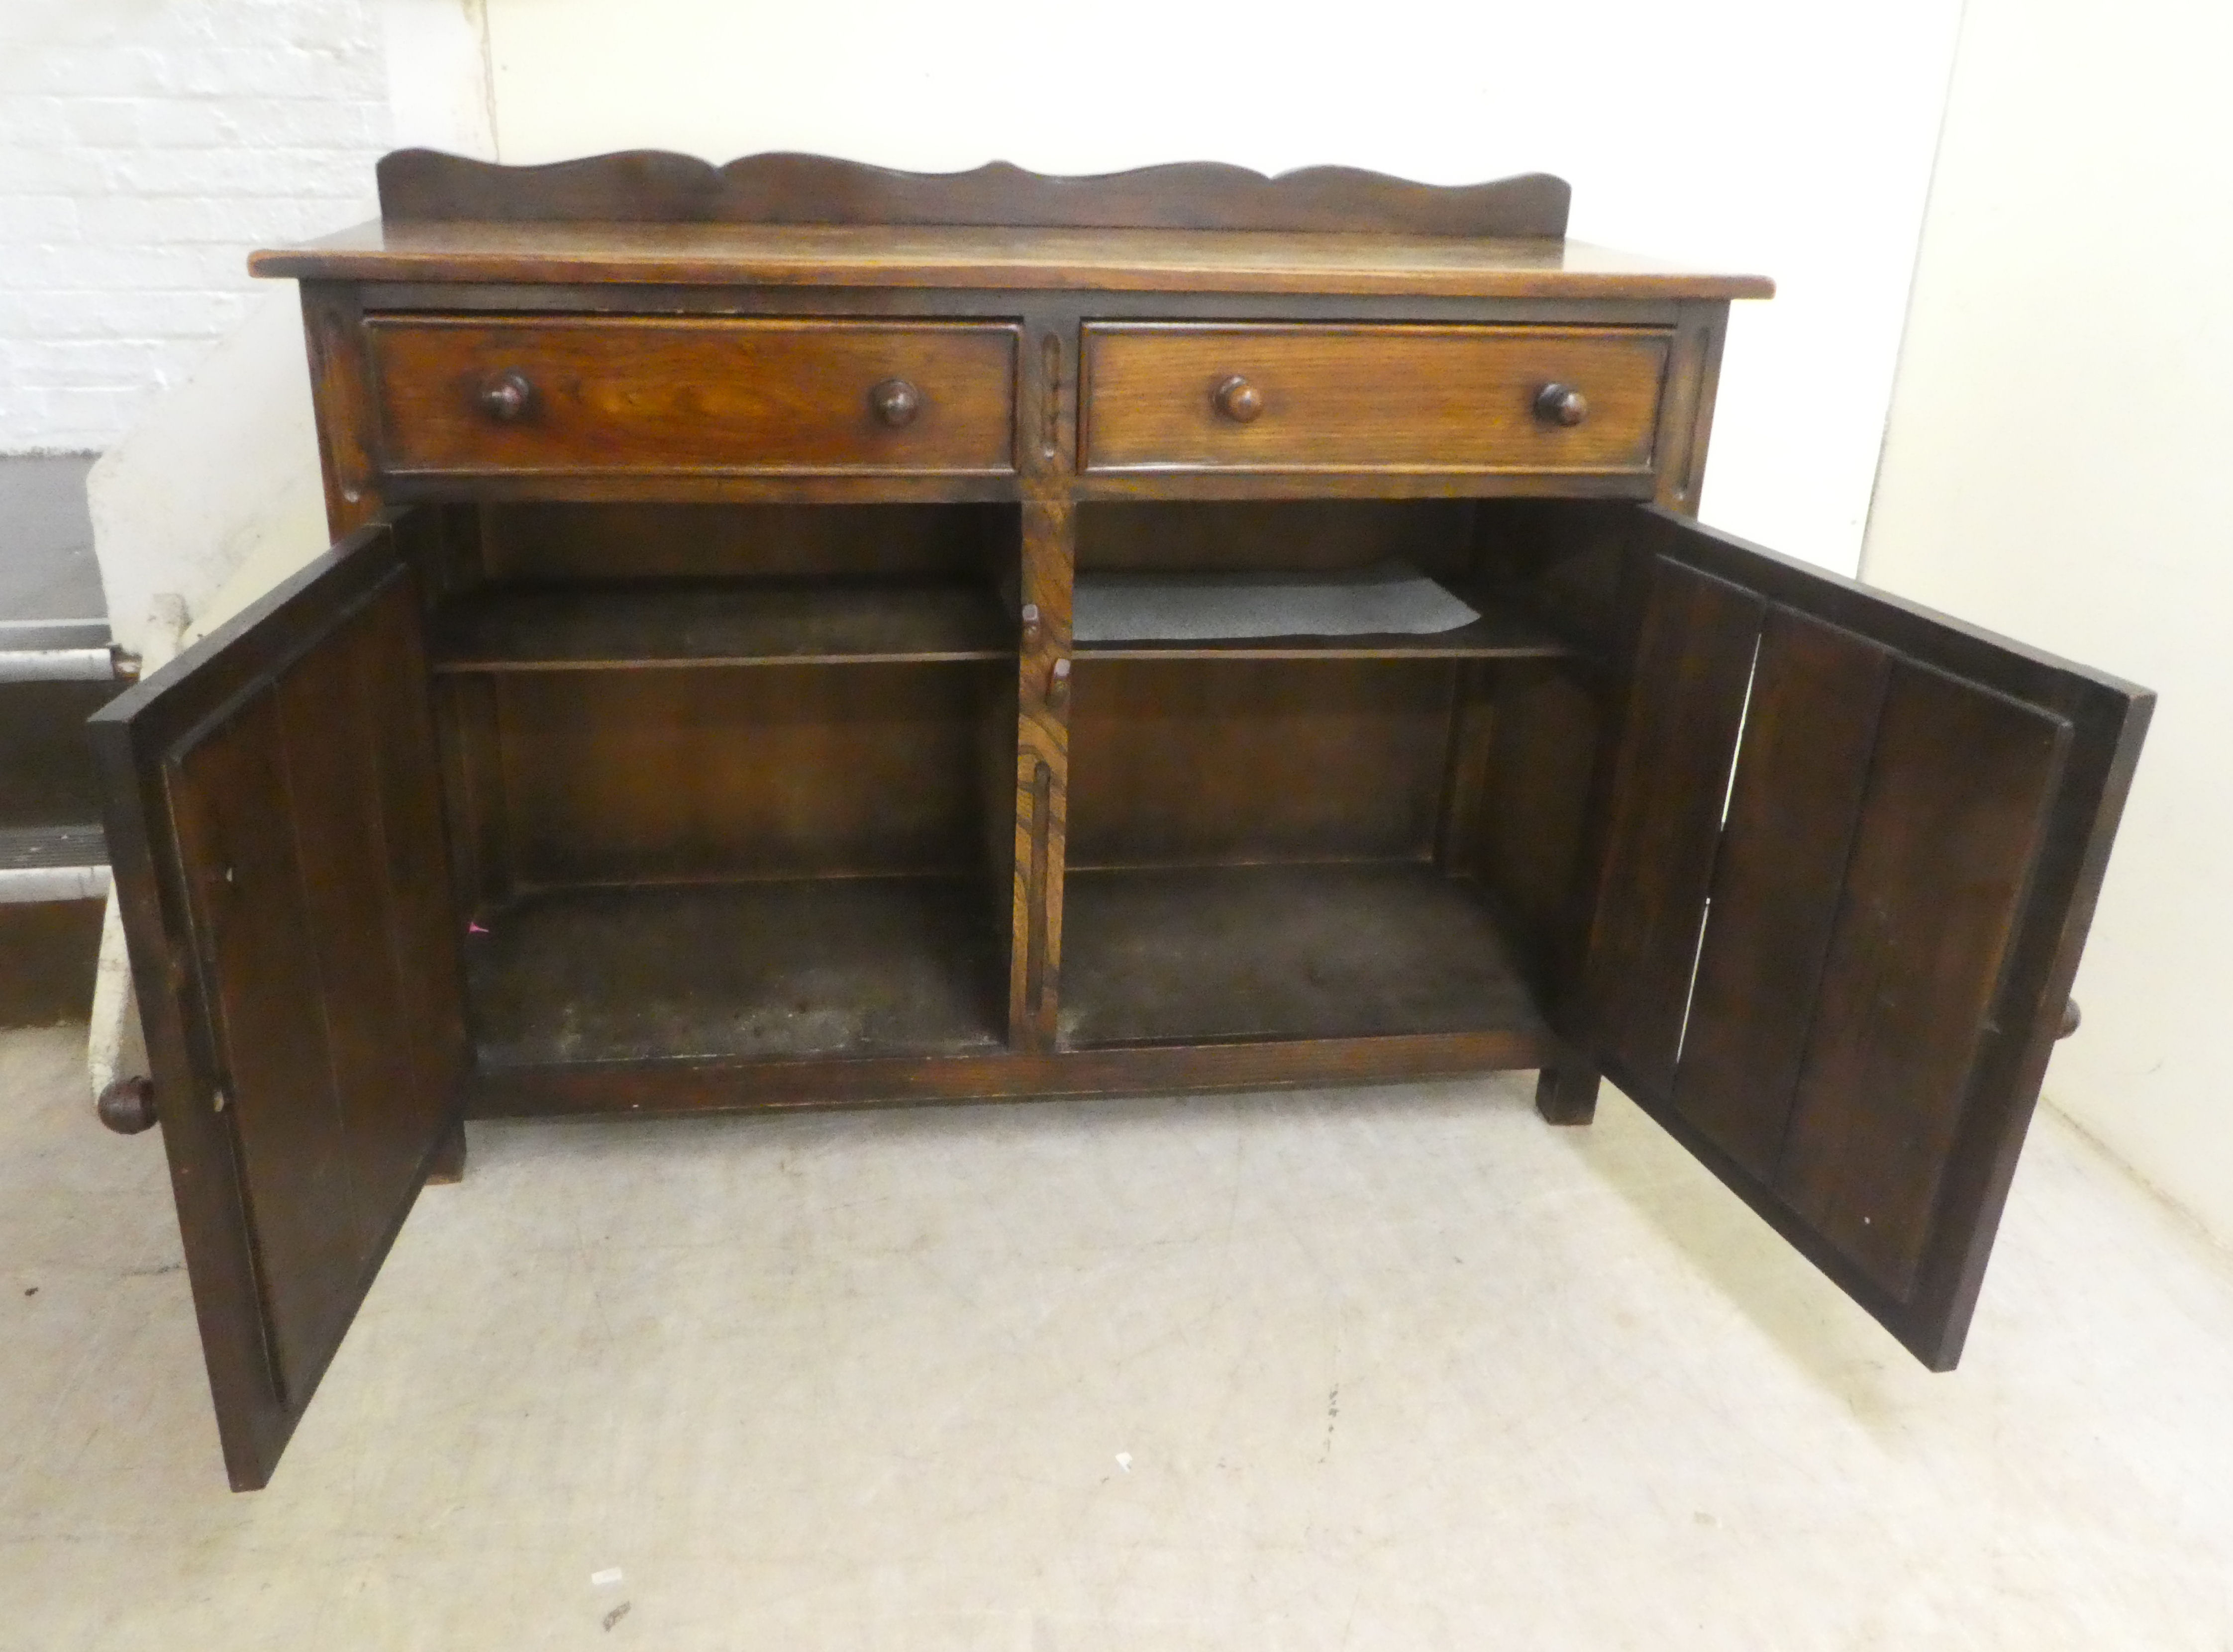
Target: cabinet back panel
(1545, 727)
(765, 771)
(1301, 535)
(544, 542)
(1223, 761)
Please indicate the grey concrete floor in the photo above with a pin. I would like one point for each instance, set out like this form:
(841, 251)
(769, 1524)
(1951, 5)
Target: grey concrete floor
(47, 567)
(1396, 1369)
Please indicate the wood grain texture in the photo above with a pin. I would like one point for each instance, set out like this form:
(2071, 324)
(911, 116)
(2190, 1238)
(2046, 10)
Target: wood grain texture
(638, 626)
(1227, 761)
(1949, 832)
(343, 399)
(777, 770)
(1779, 879)
(1685, 704)
(651, 185)
(1190, 955)
(1526, 844)
(537, 542)
(1031, 260)
(843, 968)
(1046, 572)
(278, 848)
(1980, 805)
(652, 395)
(640, 1089)
(1368, 398)
(1152, 535)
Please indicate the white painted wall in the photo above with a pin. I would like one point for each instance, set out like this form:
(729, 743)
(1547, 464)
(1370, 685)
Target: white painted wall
(145, 146)
(1752, 134)
(2056, 468)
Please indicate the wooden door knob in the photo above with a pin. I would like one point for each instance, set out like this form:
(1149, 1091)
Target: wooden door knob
(2071, 1018)
(1238, 399)
(1057, 689)
(1032, 628)
(896, 402)
(507, 396)
(128, 1106)
(1561, 404)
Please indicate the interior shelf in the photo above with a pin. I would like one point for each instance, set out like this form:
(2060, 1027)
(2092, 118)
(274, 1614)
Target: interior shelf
(611, 626)
(1222, 953)
(777, 970)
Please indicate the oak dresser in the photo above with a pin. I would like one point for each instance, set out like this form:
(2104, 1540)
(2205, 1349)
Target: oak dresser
(696, 711)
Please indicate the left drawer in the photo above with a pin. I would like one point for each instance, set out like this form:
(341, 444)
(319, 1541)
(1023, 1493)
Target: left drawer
(476, 395)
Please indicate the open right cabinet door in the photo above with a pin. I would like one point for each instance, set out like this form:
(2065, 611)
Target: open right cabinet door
(1848, 852)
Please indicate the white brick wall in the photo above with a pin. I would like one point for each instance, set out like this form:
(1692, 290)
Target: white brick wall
(145, 147)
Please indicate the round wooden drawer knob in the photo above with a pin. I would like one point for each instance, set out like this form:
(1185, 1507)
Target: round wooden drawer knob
(1238, 399)
(128, 1106)
(896, 402)
(1561, 404)
(507, 396)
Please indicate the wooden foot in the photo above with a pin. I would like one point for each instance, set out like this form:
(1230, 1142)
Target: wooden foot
(1567, 1094)
(449, 1164)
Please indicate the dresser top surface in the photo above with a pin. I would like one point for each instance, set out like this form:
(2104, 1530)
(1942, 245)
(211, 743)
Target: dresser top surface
(964, 256)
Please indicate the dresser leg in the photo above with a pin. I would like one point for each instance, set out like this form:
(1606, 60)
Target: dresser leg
(449, 1164)
(1567, 1094)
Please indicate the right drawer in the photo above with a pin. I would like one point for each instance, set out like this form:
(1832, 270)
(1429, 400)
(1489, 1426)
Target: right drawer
(1184, 396)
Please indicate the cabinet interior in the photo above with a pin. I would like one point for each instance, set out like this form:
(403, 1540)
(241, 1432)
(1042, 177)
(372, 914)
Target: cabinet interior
(738, 781)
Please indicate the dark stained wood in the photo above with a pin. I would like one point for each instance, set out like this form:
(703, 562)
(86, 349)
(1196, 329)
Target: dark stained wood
(776, 770)
(447, 1167)
(1567, 1092)
(127, 1105)
(1980, 805)
(1047, 559)
(1948, 833)
(636, 626)
(1694, 665)
(1367, 398)
(646, 394)
(1526, 847)
(342, 397)
(651, 185)
(868, 257)
(1686, 409)
(779, 969)
(478, 818)
(813, 439)
(1376, 483)
(1189, 955)
(539, 543)
(1293, 536)
(1801, 768)
(642, 1088)
(277, 848)
(1187, 761)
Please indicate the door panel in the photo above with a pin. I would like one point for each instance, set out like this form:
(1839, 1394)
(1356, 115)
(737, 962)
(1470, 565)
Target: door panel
(278, 852)
(1858, 941)
(1696, 650)
(1954, 820)
(1817, 693)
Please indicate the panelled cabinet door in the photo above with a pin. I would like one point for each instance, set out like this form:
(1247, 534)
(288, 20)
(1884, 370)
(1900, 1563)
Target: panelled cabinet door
(1851, 850)
(276, 831)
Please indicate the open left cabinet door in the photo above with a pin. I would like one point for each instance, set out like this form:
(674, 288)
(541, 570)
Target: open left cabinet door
(1850, 851)
(275, 828)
